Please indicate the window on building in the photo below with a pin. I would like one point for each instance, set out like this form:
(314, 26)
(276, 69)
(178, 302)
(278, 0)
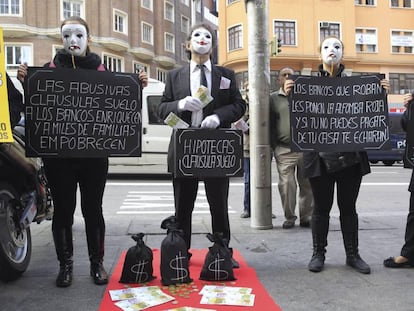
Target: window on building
(328, 29)
(16, 55)
(286, 31)
(366, 40)
(401, 3)
(146, 4)
(235, 37)
(185, 24)
(169, 11)
(161, 75)
(365, 2)
(186, 2)
(169, 42)
(113, 63)
(120, 22)
(147, 34)
(401, 83)
(73, 8)
(402, 41)
(10, 7)
(184, 52)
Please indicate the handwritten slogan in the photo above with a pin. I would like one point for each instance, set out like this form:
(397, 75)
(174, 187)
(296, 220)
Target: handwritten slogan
(208, 152)
(339, 114)
(82, 113)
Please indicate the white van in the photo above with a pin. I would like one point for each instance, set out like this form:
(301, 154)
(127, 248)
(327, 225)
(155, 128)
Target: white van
(155, 134)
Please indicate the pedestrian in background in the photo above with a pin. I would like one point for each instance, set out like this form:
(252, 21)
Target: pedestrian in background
(406, 257)
(347, 179)
(226, 107)
(289, 163)
(65, 174)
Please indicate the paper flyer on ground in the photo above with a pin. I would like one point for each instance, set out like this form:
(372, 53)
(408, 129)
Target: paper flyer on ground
(189, 309)
(227, 295)
(139, 298)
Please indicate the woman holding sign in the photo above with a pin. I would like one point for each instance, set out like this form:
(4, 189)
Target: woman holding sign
(64, 174)
(325, 169)
(406, 257)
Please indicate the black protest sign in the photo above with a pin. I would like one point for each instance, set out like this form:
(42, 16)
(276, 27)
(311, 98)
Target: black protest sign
(208, 153)
(339, 114)
(82, 113)
(408, 159)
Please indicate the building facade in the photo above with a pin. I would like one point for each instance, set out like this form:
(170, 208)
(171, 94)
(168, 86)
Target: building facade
(378, 37)
(127, 34)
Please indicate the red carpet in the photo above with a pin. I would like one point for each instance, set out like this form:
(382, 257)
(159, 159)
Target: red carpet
(246, 277)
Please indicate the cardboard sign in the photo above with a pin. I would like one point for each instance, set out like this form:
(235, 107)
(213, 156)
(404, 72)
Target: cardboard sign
(82, 113)
(208, 152)
(339, 114)
(6, 135)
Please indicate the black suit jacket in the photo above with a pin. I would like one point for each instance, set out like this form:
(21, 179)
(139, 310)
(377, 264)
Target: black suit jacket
(227, 103)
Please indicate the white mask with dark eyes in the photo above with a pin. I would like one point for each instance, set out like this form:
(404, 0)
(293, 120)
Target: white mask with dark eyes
(331, 51)
(201, 41)
(75, 39)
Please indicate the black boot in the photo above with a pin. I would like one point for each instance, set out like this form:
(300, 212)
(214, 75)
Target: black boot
(64, 250)
(320, 227)
(349, 227)
(96, 240)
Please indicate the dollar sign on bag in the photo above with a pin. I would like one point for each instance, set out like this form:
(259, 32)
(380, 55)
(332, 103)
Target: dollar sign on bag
(138, 269)
(177, 265)
(214, 267)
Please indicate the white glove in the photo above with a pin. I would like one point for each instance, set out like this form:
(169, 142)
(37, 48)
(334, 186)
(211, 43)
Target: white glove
(190, 103)
(211, 122)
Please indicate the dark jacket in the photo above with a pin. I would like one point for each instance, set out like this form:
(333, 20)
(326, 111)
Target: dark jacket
(313, 162)
(64, 59)
(227, 104)
(404, 125)
(15, 102)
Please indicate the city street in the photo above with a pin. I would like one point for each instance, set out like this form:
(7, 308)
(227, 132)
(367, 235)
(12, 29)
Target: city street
(133, 204)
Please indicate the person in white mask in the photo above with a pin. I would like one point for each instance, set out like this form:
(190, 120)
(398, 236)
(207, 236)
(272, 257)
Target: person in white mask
(226, 107)
(347, 178)
(66, 174)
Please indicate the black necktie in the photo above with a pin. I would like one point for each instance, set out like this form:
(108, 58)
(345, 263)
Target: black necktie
(203, 79)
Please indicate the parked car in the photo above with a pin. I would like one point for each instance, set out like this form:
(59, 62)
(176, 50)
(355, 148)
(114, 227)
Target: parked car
(397, 137)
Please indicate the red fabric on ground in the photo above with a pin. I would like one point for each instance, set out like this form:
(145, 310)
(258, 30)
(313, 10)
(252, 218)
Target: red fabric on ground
(246, 277)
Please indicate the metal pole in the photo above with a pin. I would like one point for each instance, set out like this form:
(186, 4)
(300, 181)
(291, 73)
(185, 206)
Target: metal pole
(259, 88)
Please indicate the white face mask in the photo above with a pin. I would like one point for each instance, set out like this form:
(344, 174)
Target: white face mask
(75, 39)
(331, 51)
(201, 41)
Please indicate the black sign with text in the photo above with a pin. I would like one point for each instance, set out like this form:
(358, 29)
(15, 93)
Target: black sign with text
(339, 114)
(208, 153)
(82, 113)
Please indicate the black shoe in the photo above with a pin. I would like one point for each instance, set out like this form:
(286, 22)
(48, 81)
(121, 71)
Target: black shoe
(356, 262)
(64, 278)
(288, 224)
(390, 263)
(245, 214)
(235, 263)
(99, 275)
(316, 263)
(305, 224)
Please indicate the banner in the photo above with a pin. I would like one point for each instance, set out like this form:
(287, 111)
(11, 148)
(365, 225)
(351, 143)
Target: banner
(339, 114)
(5, 127)
(82, 113)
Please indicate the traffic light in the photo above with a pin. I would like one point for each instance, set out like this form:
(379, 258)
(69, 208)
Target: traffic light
(276, 46)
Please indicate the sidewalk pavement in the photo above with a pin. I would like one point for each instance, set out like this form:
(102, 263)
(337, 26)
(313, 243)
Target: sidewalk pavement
(279, 256)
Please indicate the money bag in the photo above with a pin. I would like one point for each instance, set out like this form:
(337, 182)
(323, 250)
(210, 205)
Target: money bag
(218, 265)
(138, 262)
(174, 259)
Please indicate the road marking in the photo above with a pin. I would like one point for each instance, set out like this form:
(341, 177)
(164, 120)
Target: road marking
(145, 184)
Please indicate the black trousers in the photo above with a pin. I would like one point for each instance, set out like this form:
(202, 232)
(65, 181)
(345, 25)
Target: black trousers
(185, 194)
(64, 176)
(348, 182)
(408, 247)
